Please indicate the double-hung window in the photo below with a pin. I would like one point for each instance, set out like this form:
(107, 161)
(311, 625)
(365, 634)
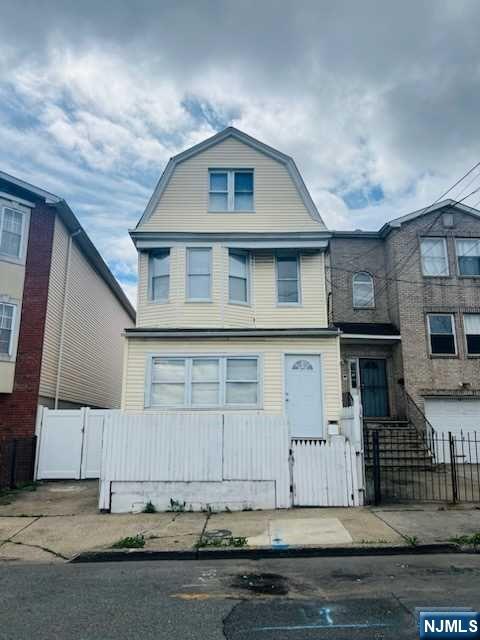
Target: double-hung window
(468, 256)
(471, 324)
(11, 228)
(7, 315)
(288, 279)
(441, 330)
(363, 291)
(204, 382)
(199, 274)
(231, 190)
(238, 276)
(434, 256)
(159, 266)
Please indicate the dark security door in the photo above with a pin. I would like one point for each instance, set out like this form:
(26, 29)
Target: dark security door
(373, 384)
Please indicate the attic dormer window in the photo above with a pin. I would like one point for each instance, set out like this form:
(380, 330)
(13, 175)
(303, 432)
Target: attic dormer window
(230, 190)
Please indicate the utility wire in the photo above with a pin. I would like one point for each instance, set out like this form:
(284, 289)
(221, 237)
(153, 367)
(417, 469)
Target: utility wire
(416, 244)
(469, 172)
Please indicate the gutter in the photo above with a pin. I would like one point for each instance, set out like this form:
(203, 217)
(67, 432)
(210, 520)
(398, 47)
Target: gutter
(228, 333)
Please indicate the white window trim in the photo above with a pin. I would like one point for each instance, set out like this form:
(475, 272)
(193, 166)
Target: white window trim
(457, 257)
(151, 257)
(231, 190)
(445, 247)
(470, 355)
(365, 306)
(10, 352)
(248, 302)
(454, 329)
(8, 256)
(299, 303)
(188, 298)
(222, 357)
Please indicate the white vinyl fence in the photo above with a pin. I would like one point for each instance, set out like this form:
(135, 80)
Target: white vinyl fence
(69, 443)
(198, 461)
(204, 461)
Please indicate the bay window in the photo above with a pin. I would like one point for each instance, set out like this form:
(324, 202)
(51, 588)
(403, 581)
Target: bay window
(199, 274)
(238, 276)
(288, 278)
(159, 267)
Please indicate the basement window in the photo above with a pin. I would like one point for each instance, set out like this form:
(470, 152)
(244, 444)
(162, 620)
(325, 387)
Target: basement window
(441, 329)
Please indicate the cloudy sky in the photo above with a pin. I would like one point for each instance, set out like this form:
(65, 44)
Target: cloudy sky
(378, 102)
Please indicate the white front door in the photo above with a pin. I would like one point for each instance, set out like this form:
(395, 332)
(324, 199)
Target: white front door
(303, 396)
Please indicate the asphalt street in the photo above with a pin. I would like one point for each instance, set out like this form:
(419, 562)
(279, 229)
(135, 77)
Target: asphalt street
(321, 598)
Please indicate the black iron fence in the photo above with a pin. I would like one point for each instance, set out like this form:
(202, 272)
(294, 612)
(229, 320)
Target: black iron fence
(401, 466)
(17, 461)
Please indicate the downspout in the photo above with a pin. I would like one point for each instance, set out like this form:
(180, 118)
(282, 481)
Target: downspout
(64, 314)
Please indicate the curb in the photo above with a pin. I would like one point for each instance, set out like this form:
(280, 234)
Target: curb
(136, 555)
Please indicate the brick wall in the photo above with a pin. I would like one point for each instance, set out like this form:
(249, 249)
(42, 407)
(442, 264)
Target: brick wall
(348, 255)
(407, 299)
(425, 373)
(18, 409)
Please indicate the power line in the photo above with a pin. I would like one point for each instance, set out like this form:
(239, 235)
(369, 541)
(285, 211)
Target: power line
(404, 280)
(416, 244)
(361, 256)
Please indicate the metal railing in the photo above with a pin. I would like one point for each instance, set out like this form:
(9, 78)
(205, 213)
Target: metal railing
(401, 468)
(419, 421)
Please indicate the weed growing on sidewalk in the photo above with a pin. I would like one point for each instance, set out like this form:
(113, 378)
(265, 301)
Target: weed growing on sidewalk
(177, 506)
(149, 507)
(467, 541)
(231, 541)
(411, 540)
(130, 542)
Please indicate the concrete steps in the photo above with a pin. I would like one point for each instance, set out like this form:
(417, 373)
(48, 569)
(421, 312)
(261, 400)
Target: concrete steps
(400, 445)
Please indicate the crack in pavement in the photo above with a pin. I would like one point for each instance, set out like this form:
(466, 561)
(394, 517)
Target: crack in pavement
(33, 546)
(20, 531)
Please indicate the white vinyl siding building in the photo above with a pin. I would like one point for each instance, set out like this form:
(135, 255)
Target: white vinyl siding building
(246, 252)
(83, 343)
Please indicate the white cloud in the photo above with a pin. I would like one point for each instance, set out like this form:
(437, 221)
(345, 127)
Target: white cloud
(93, 103)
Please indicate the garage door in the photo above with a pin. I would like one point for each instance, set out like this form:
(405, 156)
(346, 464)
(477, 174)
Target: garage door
(461, 417)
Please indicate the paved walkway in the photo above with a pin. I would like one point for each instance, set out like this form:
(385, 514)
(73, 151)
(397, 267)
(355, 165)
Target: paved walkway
(60, 520)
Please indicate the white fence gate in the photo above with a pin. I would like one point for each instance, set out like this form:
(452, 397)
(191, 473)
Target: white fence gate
(325, 473)
(69, 443)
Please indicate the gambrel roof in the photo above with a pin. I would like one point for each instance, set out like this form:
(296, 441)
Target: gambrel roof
(231, 132)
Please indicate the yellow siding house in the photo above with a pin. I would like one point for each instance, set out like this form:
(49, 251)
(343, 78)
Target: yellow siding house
(232, 307)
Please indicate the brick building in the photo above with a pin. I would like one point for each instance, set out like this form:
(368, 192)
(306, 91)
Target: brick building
(407, 299)
(61, 312)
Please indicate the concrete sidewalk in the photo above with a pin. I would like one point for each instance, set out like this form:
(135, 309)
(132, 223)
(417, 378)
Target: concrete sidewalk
(60, 520)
